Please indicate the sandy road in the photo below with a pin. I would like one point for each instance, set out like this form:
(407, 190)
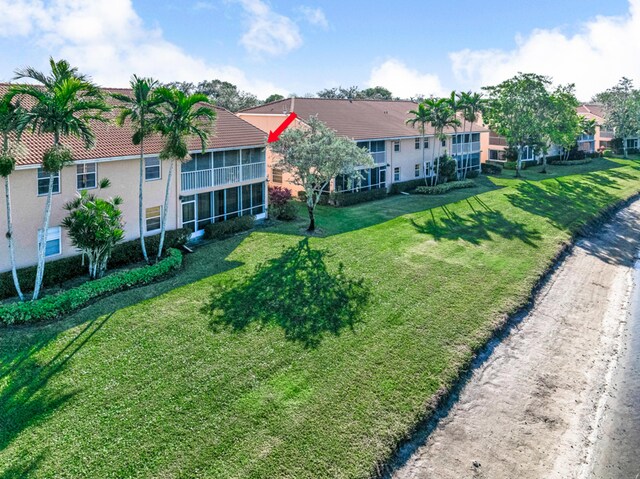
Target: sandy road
(551, 400)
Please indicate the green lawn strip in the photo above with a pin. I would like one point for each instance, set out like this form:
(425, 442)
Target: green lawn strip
(160, 388)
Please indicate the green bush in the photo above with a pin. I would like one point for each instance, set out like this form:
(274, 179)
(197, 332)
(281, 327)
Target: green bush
(445, 187)
(348, 199)
(490, 168)
(229, 227)
(510, 165)
(286, 212)
(58, 305)
(573, 162)
(397, 188)
(607, 153)
(471, 174)
(61, 270)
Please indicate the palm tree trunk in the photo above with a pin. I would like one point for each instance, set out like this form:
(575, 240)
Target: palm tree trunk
(143, 247)
(42, 241)
(164, 211)
(12, 254)
(464, 155)
(424, 164)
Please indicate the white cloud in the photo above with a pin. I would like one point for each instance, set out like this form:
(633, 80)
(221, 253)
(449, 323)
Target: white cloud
(315, 16)
(268, 32)
(108, 40)
(605, 49)
(404, 81)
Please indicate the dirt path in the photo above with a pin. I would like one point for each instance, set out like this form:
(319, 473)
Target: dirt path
(543, 404)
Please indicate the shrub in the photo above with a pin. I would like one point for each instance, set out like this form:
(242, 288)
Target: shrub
(280, 205)
(490, 168)
(607, 152)
(229, 227)
(348, 199)
(58, 305)
(61, 270)
(471, 174)
(510, 165)
(448, 168)
(397, 188)
(444, 188)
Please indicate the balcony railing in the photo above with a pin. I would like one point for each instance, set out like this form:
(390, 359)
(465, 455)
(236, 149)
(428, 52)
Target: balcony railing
(461, 148)
(227, 175)
(497, 141)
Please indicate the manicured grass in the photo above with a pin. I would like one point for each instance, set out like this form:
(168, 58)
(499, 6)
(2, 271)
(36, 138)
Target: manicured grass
(234, 372)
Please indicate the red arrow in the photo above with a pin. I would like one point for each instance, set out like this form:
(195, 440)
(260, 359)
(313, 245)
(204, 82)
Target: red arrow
(275, 135)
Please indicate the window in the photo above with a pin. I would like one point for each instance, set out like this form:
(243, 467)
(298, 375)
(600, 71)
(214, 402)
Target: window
(426, 143)
(154, 218)
(417, 171)
(444, 142)
(396, 173)
(54, 243)
(86, 176)
(494, 155)
(276, 175)
(417, 143)
(632, 143)
(43, 182)
(151, 169)
(396, 146)
(369, 179)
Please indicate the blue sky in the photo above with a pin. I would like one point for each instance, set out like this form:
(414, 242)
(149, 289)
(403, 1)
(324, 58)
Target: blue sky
(302, 46)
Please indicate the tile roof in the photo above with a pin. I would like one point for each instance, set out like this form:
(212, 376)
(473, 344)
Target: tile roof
(357, 119)
(592, 111)
(111, 141)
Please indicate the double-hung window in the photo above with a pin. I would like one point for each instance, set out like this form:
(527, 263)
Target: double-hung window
(396, 173)
(417, 171)
(43, 182)
(396, 146)
(86, 176)
(54, 241)
(417, 143)
(426, 143)
(152, 169)
(153, 217)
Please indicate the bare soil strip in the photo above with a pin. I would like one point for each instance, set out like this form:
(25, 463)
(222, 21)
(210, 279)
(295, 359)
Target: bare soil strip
(558, 397)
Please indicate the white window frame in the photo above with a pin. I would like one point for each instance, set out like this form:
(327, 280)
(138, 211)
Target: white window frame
(444, 142)
(417, 144)
(84, 173)
(146, 219)
(396, 146)
(46, 179)
(416, 170)
(426, 144)
(53, 233)
(396, 173)
(146, 178)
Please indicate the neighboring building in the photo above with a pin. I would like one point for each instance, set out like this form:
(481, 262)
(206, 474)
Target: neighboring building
(378, 125)
(228, 180)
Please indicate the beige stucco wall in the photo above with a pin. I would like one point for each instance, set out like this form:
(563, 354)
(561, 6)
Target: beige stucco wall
(28, 207)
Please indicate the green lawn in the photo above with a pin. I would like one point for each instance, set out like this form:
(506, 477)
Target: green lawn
(230, 370)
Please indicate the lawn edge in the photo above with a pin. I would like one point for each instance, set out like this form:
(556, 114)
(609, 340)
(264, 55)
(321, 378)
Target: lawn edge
(441, 402)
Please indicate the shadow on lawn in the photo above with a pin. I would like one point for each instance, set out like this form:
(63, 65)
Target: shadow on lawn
(297, 292)
(22, 469)
(28, 396)
(477, 226)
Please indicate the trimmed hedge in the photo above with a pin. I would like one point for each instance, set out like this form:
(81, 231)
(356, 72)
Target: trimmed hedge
(229, 227)
(471, 174)
(571, 162)
(445, 187)
(61, 270)
(397, 188)
(61, 304)
(490, 168)
(348, 199)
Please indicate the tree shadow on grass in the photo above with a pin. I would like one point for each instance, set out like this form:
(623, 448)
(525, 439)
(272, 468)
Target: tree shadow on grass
(22, 469)
(28, 396)
(296, 292)
(477, 227)
(567, 204)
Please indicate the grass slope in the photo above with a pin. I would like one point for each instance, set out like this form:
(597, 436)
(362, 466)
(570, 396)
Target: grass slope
(233, 372)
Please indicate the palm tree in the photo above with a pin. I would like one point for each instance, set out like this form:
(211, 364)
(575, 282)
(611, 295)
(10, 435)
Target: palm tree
(473, 106)
(13, 120)
(421, 116)
(180, 116)
(64, 104)
(140, 109)
(442, 117)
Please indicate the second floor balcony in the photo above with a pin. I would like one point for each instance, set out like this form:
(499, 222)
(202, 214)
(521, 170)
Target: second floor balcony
(209, 170)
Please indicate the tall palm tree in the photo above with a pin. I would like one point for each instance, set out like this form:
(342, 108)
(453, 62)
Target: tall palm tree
(421, 116)
(64, 104)
(442, 117)
(473, 106)
(180, 116)
(140, 109)
(13, 120)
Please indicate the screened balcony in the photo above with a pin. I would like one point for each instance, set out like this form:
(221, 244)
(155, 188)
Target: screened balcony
(211, 169)
(465, 143)
(376, 149)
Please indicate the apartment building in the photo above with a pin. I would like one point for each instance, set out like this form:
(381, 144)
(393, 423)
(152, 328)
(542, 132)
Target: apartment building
(396, 148)
(227, 180)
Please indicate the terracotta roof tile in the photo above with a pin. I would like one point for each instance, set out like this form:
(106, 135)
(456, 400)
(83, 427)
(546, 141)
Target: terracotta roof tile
(111, 141)
(357, 119)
